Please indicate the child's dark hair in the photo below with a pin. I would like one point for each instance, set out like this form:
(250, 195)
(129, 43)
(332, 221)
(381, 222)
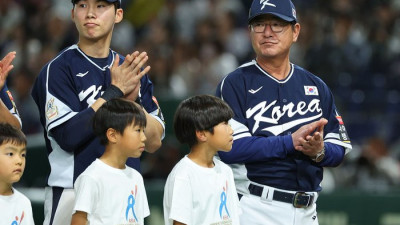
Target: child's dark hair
(117, 114)
(199, 113)
(10, 134)
(116, 4)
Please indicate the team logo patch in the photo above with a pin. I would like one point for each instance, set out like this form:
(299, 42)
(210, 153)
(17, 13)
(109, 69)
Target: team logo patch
(159, 113)
(155, 100)
(12, 100)
(266, 3)
(252, 91)
(82, 74)
(342, 130)
(339, 118)
(10, 96)
(310, 90)
(51, 109)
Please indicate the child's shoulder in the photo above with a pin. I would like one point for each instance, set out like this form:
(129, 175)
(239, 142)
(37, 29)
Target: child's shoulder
(134, 173)
(221, 164)
(21, 197)
(182, 167)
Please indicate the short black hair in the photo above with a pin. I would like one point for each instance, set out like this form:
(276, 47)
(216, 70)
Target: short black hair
(10, 134)
(116, 3)
(117, 114)
(199, 113)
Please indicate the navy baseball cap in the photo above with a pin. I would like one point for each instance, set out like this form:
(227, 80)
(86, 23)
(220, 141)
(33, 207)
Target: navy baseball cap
(283, 9)
(110, 1)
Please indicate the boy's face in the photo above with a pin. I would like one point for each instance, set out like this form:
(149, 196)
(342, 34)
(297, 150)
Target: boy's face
(222, 138)
(12, 162)
(131, 141)
(95, 19)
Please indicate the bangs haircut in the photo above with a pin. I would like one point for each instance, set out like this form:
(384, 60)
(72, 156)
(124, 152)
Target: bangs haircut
(116, 4)
(199, 113)
(12, 135)
(117, 114)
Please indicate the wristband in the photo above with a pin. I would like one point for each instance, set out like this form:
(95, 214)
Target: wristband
(112, 92)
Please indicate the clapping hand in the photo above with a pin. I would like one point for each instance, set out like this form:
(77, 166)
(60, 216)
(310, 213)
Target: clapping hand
(309, 138)
(127, 76)
(6, 67)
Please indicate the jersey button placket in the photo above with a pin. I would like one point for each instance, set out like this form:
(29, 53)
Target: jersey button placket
(281, 99)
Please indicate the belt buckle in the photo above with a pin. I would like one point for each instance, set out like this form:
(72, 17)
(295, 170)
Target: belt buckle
(298, 200)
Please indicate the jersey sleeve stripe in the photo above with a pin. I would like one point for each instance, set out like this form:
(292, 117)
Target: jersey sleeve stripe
(332, 135)
(347, 146)
(238, 136)
(61, 120)
(222, 86)
(238, 127)
(155, 115)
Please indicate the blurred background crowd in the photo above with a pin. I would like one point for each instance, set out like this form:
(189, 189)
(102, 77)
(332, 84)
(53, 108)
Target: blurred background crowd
(353, 45)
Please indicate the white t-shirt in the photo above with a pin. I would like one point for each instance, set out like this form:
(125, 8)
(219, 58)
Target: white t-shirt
(197, 195)
(111, 196)
(15, 209)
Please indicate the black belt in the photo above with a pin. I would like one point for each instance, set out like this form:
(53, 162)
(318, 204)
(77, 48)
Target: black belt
(298, 199)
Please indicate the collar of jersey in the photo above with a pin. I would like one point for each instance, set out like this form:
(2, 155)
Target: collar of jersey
(273, 78)
(95, 64)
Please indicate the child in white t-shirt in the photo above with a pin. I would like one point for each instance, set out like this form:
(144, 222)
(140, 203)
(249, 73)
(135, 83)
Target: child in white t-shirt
(200, 189)
(108, 191)
(15, 208)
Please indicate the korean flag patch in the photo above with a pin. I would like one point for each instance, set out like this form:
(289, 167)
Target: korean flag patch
(310, 90)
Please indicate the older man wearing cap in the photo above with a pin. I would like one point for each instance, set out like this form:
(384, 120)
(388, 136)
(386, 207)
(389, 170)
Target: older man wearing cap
(286, 125)
(72, 86)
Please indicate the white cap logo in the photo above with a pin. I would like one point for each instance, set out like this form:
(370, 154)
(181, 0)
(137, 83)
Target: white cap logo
(266, 2)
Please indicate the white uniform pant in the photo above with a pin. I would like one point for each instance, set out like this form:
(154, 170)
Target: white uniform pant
(265, 211)
(58, 206)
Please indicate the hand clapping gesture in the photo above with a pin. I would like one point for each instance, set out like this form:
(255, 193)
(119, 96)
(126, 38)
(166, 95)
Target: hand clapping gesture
(6, 67)
(127, 76)
(309, 138)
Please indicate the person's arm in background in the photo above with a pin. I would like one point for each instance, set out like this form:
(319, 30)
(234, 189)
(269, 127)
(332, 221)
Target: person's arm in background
(5, 115)
(79, 218)
(154, 130)
(332, 136)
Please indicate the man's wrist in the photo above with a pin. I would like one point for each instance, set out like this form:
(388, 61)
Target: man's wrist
(112, 92)
(319, 156)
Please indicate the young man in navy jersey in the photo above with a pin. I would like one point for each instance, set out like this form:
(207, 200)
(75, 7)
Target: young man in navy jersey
(72, 87)
(286, 125)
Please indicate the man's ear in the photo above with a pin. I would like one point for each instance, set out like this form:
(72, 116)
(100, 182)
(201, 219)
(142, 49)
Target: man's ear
(201, 136)
(112, 135)
(119, 15)
(72, 14)
(296, 32)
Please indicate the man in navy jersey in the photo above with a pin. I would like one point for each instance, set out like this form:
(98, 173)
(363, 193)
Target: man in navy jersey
(72, 86)
(8, 110)
(286, 125)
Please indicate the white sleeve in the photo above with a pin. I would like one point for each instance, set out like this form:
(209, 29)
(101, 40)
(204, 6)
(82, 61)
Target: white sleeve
(179, 200)
(86, 194)
(234, 193)
(28, 212)
(145, 205)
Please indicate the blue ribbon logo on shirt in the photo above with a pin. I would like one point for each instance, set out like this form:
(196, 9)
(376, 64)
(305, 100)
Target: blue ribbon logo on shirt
(15, 222)
(131, 204)
(223, 201)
